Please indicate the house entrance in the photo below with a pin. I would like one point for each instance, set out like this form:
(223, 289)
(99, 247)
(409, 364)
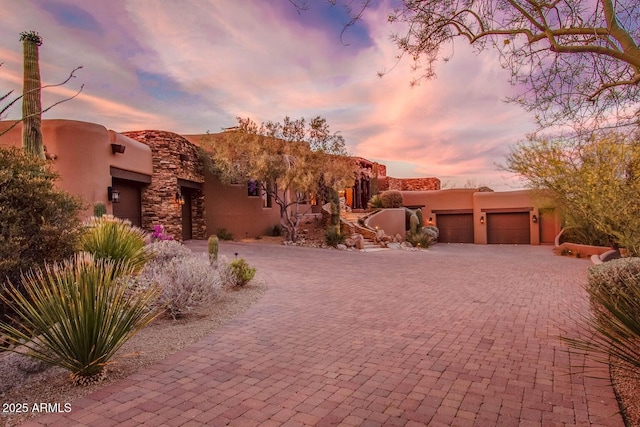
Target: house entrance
(129, 206)
(187, 217)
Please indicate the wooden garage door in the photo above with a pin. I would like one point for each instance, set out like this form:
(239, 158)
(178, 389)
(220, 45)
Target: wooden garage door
(455, 228)
(129, 206)
(508, 228)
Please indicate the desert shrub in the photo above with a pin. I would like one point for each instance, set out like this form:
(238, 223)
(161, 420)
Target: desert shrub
(612, 279)
(165, 250)
(391, 199)
(38, 222)
(241, 272)
(375, 202)
(333, 236)
(223, 234)
(77, 314)
(116, 239)
(185, 282)
(418, 239)
(614, 292)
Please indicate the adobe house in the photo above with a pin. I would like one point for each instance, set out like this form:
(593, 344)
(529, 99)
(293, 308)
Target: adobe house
(486, 217)
(148, 177)
(94, 163)
(155, 177)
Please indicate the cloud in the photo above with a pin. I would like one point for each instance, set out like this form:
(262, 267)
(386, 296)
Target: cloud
(195, 65)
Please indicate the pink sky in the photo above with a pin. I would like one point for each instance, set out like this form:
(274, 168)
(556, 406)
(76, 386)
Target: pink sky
(190, 66)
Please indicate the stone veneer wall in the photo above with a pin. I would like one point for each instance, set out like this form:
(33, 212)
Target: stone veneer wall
(158, 199)
(409, 184)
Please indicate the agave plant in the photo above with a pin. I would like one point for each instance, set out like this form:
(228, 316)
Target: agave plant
(77, 314)
(115, 239)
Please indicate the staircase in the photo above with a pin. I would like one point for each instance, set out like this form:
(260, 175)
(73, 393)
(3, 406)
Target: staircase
(350, 219)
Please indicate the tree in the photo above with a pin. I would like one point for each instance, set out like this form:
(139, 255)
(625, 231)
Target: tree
(290, 161)
(595, 184)
(32, 106)
(38, 223)
(578, 61)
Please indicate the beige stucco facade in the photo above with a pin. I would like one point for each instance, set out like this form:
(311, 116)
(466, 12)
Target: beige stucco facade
(82, 156)
(161, 167)
(480, 207)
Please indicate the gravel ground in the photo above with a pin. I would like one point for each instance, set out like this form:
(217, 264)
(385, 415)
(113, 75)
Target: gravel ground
(162, 338)
(627, 388)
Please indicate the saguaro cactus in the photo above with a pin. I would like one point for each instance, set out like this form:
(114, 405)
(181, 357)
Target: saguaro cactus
(31, 102)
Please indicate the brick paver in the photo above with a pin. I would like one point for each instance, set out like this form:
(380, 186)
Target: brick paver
(454, 335)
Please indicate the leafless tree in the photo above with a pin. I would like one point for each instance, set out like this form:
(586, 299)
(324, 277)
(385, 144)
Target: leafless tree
(576, 61)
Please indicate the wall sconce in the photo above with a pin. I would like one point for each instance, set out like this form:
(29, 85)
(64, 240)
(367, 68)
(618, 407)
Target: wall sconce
(179, 199)
(430, 220)
(482, 219)
(534, 219)
(113, 195)
(117, 148)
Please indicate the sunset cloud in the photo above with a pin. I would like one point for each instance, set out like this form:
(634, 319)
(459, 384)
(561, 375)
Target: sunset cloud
(194, 65)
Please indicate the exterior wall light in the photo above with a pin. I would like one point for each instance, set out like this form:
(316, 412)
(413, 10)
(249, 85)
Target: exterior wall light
(179, 199)
(113, 195)
(482, 219)
(534, 219)
(430, 220)
(117, 148)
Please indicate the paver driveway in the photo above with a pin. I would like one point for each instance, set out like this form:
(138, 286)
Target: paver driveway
(454, 335)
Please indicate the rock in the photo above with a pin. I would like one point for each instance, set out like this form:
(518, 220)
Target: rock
(406, 245)
(349, 242)
(341, 247)
(360, 244)
(398, 238)
(393, 245)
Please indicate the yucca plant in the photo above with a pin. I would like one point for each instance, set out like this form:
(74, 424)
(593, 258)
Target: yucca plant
(612, 329)
(77, 314)
(115, 239)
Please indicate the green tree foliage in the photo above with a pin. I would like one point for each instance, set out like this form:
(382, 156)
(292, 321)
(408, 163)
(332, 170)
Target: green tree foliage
(38, 222)
(291, 161)
(595, 184)
(575, 60)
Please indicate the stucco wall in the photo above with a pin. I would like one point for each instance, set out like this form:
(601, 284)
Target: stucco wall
(480, 203)
(83, 157)
(392, 221)
(229, 207)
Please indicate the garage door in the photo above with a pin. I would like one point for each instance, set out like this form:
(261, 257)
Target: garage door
(508, 228)
(455, 228)
(129, 206)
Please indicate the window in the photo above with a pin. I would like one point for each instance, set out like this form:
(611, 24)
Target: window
(253, 188)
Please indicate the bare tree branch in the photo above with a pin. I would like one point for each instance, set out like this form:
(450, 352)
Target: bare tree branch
(16, 99)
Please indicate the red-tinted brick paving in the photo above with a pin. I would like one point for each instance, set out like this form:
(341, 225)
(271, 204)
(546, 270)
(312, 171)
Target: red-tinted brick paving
(457, 335)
